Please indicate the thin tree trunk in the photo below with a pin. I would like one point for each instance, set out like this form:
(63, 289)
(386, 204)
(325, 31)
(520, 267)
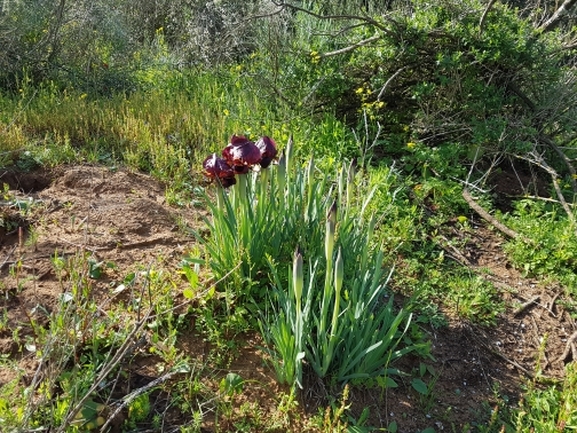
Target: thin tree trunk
(554, 21)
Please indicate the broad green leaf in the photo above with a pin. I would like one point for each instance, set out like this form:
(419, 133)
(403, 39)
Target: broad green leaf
(231, 384)
(129, 279)
(390, 383)
(95, 269)
(422, 369)
(419, 386)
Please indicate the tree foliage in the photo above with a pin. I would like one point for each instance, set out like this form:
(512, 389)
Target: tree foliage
(494, 80)
(99, 44)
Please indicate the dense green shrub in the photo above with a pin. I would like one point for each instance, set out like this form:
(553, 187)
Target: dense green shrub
(103, 47)
(486, 79)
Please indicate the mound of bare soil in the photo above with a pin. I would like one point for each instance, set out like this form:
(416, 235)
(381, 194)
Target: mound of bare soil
(117, 218)
(121, 218)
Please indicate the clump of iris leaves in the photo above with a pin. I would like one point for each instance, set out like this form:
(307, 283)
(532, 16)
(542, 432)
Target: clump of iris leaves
(298, 243)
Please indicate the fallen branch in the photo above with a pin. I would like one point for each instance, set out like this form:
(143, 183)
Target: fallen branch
(526, 305)
(492, 220)
(6, 260)
(569, 347)
(127, 347)
(513, 363)
(133, 395)
(552, 304)
(554, 21)
(453, 252)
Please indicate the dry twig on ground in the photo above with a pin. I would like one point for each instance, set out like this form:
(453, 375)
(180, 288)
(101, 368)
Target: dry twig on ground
(492, 220)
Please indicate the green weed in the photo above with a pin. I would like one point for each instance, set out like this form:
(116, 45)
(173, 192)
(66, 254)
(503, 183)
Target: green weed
(551, 409)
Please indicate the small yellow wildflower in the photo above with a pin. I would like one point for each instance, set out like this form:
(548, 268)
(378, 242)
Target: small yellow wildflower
(411, 144)
(315, 57)
(359, 91)
(226, 112)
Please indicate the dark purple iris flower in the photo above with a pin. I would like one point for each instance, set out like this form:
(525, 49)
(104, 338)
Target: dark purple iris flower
(239, 157)
(218, 168)
(241, 154)
(268, 150)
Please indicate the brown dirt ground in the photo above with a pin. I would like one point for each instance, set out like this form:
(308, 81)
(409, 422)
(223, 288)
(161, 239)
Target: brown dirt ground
(121, 217)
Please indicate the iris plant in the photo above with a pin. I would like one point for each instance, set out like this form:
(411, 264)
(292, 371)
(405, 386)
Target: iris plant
(345, 328)
(245, 219)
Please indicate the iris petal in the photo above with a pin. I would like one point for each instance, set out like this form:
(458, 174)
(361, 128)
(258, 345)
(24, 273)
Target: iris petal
(218, 168)
(265, 162)
(240, 169)
(267, 147)
(227, 181)
(241, 152)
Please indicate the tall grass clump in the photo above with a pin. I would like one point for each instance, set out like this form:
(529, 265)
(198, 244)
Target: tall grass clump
(344, 326)
(335, 313)
(345, 329)
(161, 127)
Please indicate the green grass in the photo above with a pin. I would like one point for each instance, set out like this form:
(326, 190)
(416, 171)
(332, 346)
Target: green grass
(548, 226)
(550, 409)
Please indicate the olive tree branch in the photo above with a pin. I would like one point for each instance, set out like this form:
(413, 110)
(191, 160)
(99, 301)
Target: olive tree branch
(351, 47)
(391, 78)
(363, 18)
(554, 21)
(484, 16)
